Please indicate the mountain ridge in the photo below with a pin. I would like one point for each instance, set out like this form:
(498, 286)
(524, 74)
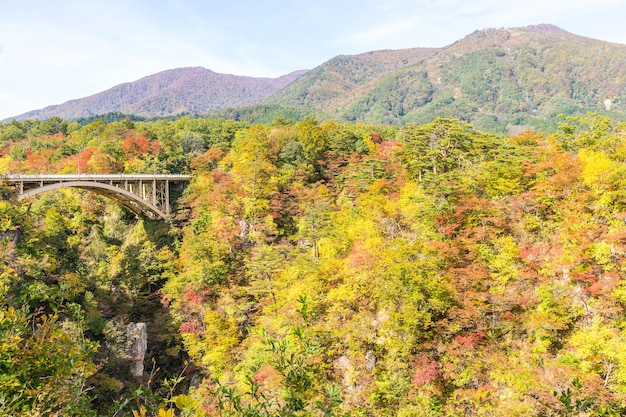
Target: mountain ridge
(495, 78)
(169, 93)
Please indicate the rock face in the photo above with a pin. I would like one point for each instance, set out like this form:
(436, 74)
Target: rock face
(370, 357)
(14, 236)
(137, 344)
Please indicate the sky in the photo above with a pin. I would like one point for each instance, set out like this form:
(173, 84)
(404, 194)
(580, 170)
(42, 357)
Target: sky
(52, 51)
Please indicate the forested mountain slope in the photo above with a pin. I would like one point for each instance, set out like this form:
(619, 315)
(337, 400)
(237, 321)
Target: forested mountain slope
(493, 77)
(319, 269)
(170, 93)
(341, 80)
(501, 80)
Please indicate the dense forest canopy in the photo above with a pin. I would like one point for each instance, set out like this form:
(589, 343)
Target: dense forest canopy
(318, 269)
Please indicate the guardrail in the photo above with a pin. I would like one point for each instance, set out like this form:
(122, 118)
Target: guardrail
(96, 177)
(144, 194)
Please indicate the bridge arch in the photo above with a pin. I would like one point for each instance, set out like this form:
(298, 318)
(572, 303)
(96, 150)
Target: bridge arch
(129, 200)
(144, 194)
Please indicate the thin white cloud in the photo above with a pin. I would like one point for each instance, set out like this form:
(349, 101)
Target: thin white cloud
(381, 33)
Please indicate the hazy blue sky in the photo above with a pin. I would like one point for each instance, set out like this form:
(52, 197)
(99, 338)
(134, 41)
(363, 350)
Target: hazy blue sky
(52, 51)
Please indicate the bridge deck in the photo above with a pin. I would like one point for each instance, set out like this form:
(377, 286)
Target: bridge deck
(144, 194)
(95, 177)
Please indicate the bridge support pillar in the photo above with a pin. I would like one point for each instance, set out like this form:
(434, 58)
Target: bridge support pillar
(147, 195)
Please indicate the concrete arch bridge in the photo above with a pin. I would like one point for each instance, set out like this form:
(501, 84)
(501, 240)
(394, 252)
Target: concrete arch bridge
(144, 194)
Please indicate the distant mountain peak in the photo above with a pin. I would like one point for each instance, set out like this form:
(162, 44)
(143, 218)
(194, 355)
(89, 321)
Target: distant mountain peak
(494, 77)
(194, 90)
(545, 27)
(540, 29)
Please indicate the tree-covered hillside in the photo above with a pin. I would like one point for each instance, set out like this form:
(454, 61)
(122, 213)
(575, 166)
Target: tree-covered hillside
(319, 269)
(498, 79)
(339, 81)
(170, 93)
(503, 81)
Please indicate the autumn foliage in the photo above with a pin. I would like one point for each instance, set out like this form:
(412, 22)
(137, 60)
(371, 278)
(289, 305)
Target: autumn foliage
(327, 269)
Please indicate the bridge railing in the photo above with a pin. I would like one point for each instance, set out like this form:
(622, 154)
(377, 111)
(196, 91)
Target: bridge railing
(144, 194)
(96, 177)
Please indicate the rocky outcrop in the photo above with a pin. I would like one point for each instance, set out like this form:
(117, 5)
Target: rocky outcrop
(14, 236)
(137, 344)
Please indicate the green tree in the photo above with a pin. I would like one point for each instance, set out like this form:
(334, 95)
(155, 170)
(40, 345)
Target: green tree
(314, 217)
(290, 383)
(253, 166)
(437, 148)
(45, 364)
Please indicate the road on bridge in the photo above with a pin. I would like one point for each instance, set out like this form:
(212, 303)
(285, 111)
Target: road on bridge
(144, 194)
